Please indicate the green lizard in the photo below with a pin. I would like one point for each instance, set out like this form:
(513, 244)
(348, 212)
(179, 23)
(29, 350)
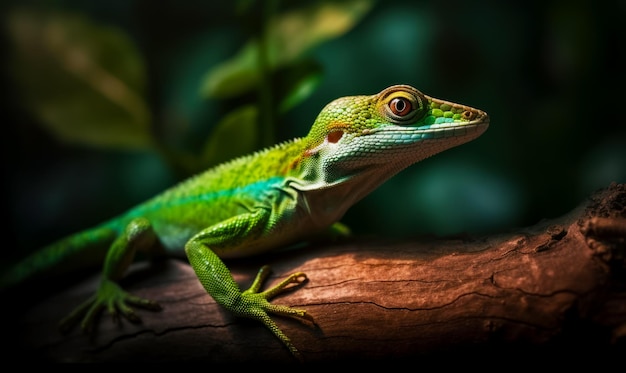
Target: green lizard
(281, 195)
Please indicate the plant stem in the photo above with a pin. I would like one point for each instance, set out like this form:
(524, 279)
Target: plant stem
(267, 112)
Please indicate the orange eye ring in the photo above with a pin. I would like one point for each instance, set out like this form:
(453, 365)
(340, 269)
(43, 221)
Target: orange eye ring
(402, 105)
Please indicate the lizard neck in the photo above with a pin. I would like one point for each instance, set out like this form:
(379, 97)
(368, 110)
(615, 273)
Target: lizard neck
(326, 193)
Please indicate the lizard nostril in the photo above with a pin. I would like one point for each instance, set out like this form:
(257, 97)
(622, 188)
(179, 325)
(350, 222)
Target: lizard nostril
(468, 114)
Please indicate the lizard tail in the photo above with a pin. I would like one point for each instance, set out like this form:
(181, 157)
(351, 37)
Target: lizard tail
(71, 253)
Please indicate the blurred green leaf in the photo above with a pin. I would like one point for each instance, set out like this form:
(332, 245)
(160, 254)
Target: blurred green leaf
(235, 76)
(236, 134)
(84, 81)
(297, 83)
(291, 35)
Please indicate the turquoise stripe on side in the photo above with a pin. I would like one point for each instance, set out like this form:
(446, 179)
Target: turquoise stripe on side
(252, 190)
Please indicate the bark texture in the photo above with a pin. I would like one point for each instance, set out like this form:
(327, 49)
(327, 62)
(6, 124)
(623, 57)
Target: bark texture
(554, 289)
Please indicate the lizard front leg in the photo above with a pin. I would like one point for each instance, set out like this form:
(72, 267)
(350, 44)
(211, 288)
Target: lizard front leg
(138, 235)
(219, 283)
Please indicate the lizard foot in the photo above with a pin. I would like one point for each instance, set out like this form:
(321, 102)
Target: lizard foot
(297, 278)
(112, 297)
(254, 304)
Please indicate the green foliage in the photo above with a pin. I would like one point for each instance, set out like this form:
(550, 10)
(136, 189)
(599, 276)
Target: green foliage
(289, 37)
(85, 81)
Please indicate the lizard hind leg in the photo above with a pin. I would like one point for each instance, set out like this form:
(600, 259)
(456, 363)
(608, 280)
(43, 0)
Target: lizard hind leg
(138, 235)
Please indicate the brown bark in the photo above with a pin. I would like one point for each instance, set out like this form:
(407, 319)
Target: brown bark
(556, 287)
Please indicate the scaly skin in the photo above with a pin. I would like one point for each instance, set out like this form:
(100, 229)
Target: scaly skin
(290, 192)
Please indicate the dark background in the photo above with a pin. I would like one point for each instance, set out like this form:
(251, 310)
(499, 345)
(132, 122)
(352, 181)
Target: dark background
(550, 74)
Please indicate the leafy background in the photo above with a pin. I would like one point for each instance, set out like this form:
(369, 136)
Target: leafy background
(108, 103)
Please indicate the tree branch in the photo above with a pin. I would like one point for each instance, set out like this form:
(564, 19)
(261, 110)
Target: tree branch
(557, 286)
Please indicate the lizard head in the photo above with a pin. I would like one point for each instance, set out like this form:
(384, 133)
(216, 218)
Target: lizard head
(386, 132)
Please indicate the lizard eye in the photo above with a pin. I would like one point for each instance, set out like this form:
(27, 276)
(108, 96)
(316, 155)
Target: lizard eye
(402, 104)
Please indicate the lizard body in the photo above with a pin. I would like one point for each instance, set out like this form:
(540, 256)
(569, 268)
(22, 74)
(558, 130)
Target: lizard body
(288, 193)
